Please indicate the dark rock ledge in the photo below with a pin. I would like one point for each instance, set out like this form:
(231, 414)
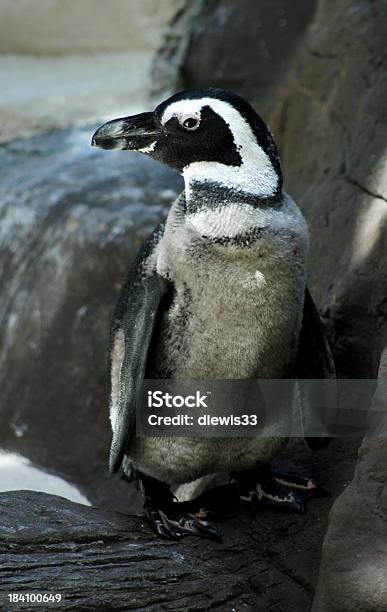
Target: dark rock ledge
(101, 560)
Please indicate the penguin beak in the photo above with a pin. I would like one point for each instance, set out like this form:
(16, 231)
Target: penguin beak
(133, 133)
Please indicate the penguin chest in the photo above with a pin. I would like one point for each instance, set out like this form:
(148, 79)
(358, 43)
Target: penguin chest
(231, 319)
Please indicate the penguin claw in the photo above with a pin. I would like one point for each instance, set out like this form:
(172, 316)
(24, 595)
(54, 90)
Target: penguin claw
(188, 524)
(159, 526)
(166, 533)
(172, 524)
(280, 497)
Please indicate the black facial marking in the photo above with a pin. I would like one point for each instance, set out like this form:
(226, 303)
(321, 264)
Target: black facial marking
(262, 133)
(212, 141)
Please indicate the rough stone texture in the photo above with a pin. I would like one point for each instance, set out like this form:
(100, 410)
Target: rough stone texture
(167, 62)
(71, 220)
(101, 560)
(329, 122)
(353, 574)
(251, 44)
(237, 46)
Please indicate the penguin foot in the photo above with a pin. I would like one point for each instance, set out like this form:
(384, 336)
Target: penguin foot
(171, 519)
(305, 485)
(279, 489)
(171, 523)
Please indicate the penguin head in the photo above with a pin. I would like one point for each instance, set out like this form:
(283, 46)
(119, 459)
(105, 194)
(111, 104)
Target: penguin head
(211, 136)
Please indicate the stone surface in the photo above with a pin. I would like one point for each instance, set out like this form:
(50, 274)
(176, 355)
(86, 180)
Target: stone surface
(353, 574)
(251, 46)
(245, 46)
(167, 62)
(17, 472)
(44, 93)
(68, 63)
(100, 560)
(87, 26)
(329, 123)
(72, 218)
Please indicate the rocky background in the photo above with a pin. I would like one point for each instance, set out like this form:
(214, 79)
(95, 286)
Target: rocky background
(71, 221)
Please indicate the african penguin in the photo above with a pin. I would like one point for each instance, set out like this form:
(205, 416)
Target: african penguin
(218, 291)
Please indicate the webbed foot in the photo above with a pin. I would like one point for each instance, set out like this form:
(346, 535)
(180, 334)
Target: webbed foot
(171, 519)
(279, 489)
(172, 523)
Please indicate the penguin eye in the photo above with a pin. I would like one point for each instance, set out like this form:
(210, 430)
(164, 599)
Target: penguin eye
(191, 123)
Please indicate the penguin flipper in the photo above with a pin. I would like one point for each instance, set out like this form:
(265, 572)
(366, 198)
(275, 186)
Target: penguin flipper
(314, 360)
(131, 334)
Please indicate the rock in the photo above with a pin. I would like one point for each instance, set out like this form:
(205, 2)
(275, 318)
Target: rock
(329, 123)
(54, 92)
(89, 27)
(72, 218)
(167, 62)
(240, 47)
(16, 472)
(353, 574)
(76, 65)
(99, 559)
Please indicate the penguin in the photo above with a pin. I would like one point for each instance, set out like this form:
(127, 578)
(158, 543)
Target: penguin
(218, 291)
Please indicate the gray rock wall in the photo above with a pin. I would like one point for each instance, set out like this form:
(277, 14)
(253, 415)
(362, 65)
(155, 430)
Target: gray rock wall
(72, 218)
(329, 122)
(353, 573)
(246, 47)
(86, 26)
(66, 63)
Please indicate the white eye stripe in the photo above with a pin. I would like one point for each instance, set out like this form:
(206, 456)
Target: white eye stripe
(255, 175)
(184, 118)
(182, 111)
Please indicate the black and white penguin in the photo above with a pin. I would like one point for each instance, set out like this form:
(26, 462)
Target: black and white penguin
(218, 291)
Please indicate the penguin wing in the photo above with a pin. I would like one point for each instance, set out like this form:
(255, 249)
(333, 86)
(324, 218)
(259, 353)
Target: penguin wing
(132, 328)
(314, 360)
